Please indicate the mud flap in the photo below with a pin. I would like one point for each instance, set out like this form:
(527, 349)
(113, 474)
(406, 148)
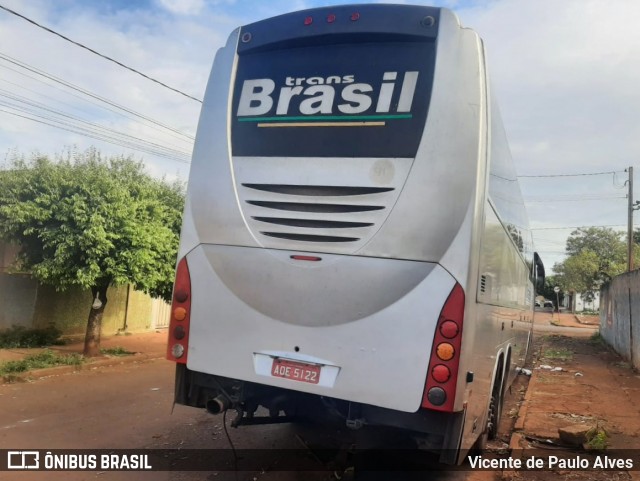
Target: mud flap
(181, 386)
(451, 453)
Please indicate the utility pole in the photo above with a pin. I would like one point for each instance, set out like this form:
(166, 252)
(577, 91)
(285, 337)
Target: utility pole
(632, 206)
(630, 221)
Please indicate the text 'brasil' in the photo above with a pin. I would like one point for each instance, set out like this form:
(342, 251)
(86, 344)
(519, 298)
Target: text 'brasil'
(341, 96)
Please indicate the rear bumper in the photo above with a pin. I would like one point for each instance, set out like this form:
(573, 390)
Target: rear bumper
(245, 302)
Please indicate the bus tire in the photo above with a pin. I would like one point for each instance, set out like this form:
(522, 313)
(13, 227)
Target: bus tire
(493, 416)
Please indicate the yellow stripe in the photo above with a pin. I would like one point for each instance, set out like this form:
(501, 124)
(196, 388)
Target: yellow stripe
(324, 124)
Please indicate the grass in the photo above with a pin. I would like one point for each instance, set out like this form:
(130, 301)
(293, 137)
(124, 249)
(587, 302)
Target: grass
(553, 338)
(597, 340)
(597, 439)
(116, 351)
(560, 354)
(22, 337)
(41, 360)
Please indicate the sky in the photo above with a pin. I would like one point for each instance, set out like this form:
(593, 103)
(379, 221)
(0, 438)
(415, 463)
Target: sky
(566, 74)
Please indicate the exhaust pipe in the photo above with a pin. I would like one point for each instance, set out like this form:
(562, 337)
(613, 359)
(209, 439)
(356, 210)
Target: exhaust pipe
(218, 404)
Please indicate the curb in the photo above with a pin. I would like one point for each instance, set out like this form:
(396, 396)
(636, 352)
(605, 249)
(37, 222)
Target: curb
(524, 407)
(516, 443)
(92, 363)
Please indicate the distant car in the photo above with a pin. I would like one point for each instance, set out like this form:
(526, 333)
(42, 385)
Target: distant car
(548, 304)
(538, 304)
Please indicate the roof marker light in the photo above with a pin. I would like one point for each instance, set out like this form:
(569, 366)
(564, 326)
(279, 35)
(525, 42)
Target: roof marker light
(331, 18)
(308, 20)
(355, 16)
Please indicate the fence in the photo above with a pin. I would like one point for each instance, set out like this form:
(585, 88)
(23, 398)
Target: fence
(24, 302)
(620, 315)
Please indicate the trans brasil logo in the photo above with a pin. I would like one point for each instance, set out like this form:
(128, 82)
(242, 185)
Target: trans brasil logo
(333, 101)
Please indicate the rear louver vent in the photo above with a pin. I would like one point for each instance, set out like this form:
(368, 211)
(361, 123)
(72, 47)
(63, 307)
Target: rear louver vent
(317, 204)
(310, 238)
(317, 190)
(315, 224)
(483, 284)
(321, 208)
(315, 213)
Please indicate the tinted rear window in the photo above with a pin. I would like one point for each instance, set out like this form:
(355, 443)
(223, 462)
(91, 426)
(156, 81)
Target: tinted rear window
(358, 99)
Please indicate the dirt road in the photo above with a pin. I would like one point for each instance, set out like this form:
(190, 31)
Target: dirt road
(127, 406)
(130, 406)
(578, 382)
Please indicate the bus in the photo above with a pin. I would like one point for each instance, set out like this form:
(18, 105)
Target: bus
(354, 246)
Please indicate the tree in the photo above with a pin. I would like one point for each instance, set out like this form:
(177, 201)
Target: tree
(579, 272)
(595, 255)
(550, 282)
(92, 222)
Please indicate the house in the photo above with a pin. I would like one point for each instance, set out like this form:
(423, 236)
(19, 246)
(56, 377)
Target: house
(576, 302)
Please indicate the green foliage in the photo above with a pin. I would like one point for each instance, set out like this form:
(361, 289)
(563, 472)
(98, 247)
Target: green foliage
(602, 240)
(41, 360)
(597, 439)
(597, 340)
(580, 272)
(116, 351)
(595, 256)
(88, 221)
(21, 337)
(559, 354)
(547, 291)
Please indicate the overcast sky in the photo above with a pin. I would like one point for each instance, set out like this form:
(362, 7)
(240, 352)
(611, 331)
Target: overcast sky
(566, 73)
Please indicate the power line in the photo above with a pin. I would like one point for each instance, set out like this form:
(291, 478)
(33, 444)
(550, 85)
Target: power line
(153, 125)
(571, 175)
(578, 199)
(71, 86)
(91, 126)
(96, 135)
(576, 227)
(33, 22)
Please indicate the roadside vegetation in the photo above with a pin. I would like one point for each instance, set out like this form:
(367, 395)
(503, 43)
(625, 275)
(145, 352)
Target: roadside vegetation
(41, 360)
(595, 255)
(597, 340)
(597, 439)
(92, 222)
(22, 337)
(49, 358)
(558, 354)
(116, 351)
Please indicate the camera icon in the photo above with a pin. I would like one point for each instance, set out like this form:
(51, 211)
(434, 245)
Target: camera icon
(23, 460)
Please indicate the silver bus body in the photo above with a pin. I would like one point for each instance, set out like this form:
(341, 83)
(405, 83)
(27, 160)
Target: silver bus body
(323, 233)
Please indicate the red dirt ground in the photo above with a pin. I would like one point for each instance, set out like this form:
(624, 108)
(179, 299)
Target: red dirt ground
(596, 388)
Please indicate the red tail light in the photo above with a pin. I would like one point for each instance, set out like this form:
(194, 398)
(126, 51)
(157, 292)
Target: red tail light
(442, 376)
(180, 315)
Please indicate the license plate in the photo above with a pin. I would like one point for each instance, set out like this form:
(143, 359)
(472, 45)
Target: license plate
(296, 371)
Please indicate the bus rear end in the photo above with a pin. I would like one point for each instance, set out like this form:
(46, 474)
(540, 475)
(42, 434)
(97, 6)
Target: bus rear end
(326, 243)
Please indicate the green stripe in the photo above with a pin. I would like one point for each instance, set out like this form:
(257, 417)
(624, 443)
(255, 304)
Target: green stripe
(343, 118)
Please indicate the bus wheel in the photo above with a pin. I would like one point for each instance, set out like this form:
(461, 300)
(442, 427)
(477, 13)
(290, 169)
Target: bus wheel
(493, 416)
